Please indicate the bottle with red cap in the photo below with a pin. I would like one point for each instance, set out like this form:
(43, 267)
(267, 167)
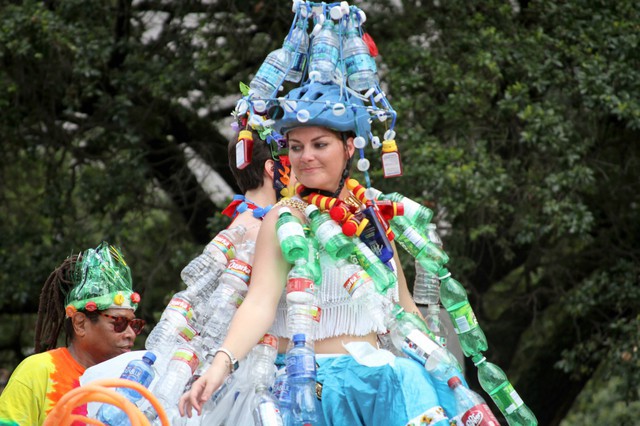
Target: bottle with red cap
(471, 408)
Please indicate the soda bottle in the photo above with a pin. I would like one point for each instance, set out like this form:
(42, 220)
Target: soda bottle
(430, 256)
(471, 409)
(298, 43)
(495, 382)
(329, 233)
(454, 298)
(271, 74)
(301, 372)
(325, 53)
(382, 276)
(360, 66)
(361, 287)
(419, 215)
(215, 255)
(314, 254)
(140, 371)
(291, 236)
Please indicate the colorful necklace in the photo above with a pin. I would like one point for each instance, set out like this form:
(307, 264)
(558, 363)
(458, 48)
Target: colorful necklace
(240, 204)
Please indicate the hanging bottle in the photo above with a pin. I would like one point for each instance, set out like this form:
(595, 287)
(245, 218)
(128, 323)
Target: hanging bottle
(325, 53)
(329, 233)
(271, 74)
(419, 215)
(298, 44)
(391, 164)
(360, 66)
(471, 408)
(291, 236)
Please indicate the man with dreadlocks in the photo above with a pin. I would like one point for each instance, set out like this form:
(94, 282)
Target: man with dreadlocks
(90, 296)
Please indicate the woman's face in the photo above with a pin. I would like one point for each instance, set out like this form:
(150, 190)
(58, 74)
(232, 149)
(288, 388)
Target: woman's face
(318, 156)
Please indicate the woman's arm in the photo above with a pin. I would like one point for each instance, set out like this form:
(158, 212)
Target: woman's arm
(253, 318)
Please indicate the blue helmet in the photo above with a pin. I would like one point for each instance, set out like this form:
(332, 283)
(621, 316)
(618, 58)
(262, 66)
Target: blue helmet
(319, 100)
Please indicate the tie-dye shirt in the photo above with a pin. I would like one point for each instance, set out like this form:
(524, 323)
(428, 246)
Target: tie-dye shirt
(36, 386)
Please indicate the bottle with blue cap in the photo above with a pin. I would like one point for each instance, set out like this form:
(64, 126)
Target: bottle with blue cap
(139, 371)
(301, 374)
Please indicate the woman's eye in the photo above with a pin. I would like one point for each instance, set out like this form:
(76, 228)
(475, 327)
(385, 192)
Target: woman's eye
(321, 145)
(295, 148)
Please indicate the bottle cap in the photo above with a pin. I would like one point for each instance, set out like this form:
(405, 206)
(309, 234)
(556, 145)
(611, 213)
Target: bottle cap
(299, 338)
(372, 193)
(245, 134)
(359, 142)
(389, 146)
(310, 209)
(150, 356)
(284, 210)
(478, 359)
(454, 382)
(363, 164)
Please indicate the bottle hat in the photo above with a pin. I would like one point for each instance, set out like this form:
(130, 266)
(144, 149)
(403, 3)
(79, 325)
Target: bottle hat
(102, 280)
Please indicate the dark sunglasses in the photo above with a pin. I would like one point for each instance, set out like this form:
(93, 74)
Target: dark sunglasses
(120, 323)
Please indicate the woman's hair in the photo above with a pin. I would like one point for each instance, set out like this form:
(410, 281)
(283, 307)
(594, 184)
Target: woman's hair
(251, 177)
(51, 309)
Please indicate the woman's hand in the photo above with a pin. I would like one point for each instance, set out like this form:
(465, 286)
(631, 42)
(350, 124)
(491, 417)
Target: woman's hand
(203, 388)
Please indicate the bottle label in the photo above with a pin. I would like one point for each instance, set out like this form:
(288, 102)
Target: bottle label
(418, 346)
(360, 62)
(188, 332)
(391, 164)
(507, 399)
(270, 74)
(322, 51)
(181, 306)
(414, 238)
(305, 285)
(137, 374)
(225, 245)
(303, 365)
(240, 269)
(464, 319)
(358, 281)
(326, 231)
(268, 414)
(479, 415)
(270, 340)
(188, 357)
(434, 416)
(244, 150)
(299, 61)
(289, 229)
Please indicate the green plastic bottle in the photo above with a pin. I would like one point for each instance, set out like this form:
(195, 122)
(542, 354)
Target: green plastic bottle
(313, 260)
(495, 382)
(430, 256)
(419, 215)
(454, 298)
(382, 276)
(329, 233)
(291, 236)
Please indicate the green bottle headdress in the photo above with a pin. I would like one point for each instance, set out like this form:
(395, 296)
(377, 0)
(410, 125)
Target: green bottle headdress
(102, 280)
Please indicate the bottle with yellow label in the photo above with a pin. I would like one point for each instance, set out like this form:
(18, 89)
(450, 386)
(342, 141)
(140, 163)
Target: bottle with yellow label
(391, 165)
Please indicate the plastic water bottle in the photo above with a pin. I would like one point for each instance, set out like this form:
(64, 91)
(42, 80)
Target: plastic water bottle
(265, 408)
(430, 256)
(298, 43)
(426, 288)
(301, 372)
(382, 276)
(313, 260)
(302, 310)
(291, 236)
(215, 255)
(282, 394)
(360, 66)
(471, 408)
(271, 73)
(454, 298)
(495, 382)
(139, 371)
(234, 284)
(183, 364)
(361, 288)
(419, 215)
(325, 53)
(329, 233)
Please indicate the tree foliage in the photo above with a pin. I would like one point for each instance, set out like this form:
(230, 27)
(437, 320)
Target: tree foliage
(518, 123)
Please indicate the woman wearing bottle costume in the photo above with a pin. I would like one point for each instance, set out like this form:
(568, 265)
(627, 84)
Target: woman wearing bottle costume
(386, 391)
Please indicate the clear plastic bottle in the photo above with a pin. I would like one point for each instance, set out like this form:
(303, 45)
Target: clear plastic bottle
(426, 287)
(495, 382)
(324, 54)
(271, 74)
(302, 309)
(361, 288)
(139, 371)
(382, 276)
(264, 407)
(471, 408)
(230, 293)
(298, 43)
(301, 372)
(329, 233)
(282, 394)
(215, 255)
(293, 242)
(360, 66)
(418, 245)
(454, 298)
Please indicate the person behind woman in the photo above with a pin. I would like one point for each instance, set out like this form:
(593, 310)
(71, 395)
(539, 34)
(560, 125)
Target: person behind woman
(90, 296)
(394, 391)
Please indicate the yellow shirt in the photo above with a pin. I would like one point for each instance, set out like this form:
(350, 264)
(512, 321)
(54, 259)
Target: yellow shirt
(36, 385)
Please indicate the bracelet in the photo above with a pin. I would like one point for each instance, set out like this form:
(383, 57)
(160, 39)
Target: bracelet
(234, 361)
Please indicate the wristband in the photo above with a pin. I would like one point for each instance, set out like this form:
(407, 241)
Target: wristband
(234, 361)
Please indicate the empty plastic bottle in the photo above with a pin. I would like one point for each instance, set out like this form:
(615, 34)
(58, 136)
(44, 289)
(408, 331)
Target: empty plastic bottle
(382, 276)
(301, 372)
(282, 394)
(298, 43)
(419, 215)
(471, 408)
(329, 233)
(290, 233)
(454, 298)
(360, 66)
(265, 408)
(495, 382)
(215, 255)
(139, 371)
(324, 53)
(361, 288)
(271, 74)
(430, 256)
(313, 260)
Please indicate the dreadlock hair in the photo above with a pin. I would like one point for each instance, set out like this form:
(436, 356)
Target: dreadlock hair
(51, 309)
(251, 177)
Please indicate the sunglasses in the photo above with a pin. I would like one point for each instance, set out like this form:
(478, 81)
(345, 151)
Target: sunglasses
(120, 323)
